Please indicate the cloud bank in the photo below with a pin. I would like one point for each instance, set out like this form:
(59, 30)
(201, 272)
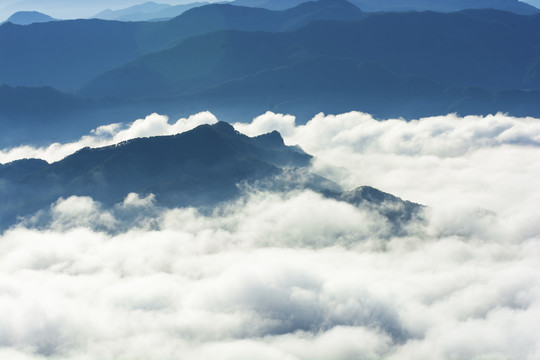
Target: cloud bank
(456, 165)
(152, 125)
(297, 275)
(272, 276)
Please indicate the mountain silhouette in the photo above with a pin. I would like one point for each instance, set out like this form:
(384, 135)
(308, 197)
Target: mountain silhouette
(67, 54)
(42, 115)
(385, 64)
(201, 168)
(458, 49)
(148, 11)
(198, 167)
(335, 85)
(329, 85)
(29, 17)
(514, 6)
(319, 56)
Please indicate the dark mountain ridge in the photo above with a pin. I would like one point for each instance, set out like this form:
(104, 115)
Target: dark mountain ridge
(490, 50)
(198, 167)
(201, 168)
(396, 64)
(407, 65)
(514, 6)
(67, 54)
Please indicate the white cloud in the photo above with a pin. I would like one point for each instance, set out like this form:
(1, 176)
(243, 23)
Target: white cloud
(269, 275)
(152, 125)
(80, 211)
(455, 165)
(268, 122)
(296, 275)
(135, 200)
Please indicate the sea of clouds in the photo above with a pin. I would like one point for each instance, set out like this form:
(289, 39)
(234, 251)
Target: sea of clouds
(294, 275)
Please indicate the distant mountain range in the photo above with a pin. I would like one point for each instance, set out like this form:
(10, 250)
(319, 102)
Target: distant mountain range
(459, 49)
(66, 9)
(71, 53)
(42, 115)
(514, 6)
(29, 17)
(201, 168)
(148, 11)
(239, 61)
(535, 3)
(133, 10)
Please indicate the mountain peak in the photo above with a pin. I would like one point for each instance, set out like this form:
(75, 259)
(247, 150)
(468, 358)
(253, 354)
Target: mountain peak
(224, 127)
(329, 10)
(199, 167)
(272, 139)
(29, 17)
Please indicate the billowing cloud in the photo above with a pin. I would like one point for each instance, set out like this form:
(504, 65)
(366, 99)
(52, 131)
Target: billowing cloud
(273, 276)
(152, 125)
(458, 166)
(442, 136)
(297, 275)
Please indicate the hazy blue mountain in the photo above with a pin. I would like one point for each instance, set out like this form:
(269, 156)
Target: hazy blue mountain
(147, 11)
(63, 54)
(269, 4)
(45, 100)
(457, 50)
(135, 10)
(243, 99)
(389, 64)
(199, 168)
(514, 6)
(43, 115)
(17, 170)
(331, 85)
(336, 85)
(29, 17)
(535, 3)
(66, 54)
(63, 9)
